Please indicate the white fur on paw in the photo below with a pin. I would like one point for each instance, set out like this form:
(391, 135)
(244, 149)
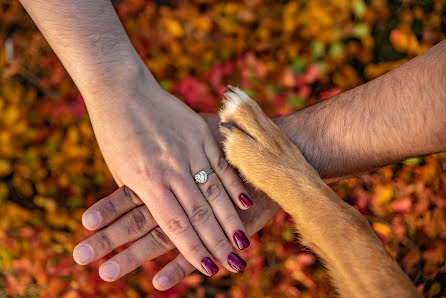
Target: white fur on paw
(242, 95)
(234, 97)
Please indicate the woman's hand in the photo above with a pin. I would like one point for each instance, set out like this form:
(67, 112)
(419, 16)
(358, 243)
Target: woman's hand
(124, 217)
(154, 145)
(151, 142)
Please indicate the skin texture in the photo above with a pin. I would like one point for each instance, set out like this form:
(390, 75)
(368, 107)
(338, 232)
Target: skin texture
(358, 263)
(311, 131)
(406, 106)
(151, 141)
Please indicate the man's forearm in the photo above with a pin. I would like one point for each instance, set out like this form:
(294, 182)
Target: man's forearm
(398, 115)
(89, 39)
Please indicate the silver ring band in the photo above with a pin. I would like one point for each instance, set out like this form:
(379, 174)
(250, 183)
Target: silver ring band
(202, 176)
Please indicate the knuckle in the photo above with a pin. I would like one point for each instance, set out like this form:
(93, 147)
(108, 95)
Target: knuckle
(177, 225)
(160, 240)
(222, 244)
(222, 164)
(171, 167)
(131, 259)
(152, 172)
(233, 217)
(213, 191)
(109, 209)
(177, 164)
(200, 215)
(104, 240)
(179, 271)
(130, 196)
(196, 249)
(136, 222)
(235, 183)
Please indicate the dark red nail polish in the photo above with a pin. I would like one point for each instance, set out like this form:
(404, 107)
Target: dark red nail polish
(241, 239)
(246, 201)
(209, 266)
(236, 262)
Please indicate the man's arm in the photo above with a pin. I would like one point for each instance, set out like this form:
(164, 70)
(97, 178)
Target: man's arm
(398, 115)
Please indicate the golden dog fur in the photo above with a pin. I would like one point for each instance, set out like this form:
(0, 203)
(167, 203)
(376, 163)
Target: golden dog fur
(357, 261)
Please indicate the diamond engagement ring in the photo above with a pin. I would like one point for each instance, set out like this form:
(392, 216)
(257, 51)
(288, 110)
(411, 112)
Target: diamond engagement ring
(202, 176)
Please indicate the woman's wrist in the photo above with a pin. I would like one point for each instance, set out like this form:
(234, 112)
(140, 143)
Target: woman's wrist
(120, 83)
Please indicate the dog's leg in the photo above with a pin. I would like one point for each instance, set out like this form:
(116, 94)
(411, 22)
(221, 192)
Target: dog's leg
(358, 263)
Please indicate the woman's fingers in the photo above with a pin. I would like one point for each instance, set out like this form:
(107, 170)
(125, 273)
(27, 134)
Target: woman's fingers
(223, 209)
(227, 175)
(110, 208)
(177, 225)
(204, 219)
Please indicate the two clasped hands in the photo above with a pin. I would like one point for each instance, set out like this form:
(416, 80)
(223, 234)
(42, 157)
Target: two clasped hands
(154, 145)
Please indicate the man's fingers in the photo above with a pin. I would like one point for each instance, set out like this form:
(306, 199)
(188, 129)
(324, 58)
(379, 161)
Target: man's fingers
(144, 249)
(110, 208)
(228, 176)
(172, 273)
(129, 227)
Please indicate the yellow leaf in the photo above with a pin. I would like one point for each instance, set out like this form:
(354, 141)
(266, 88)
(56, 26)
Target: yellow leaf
(382, 230)
(5, 167)
(174, 27)
(46, 203)
(3, 191)
(383, 194)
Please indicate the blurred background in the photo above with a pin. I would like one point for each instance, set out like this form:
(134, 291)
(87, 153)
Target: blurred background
(285, 54)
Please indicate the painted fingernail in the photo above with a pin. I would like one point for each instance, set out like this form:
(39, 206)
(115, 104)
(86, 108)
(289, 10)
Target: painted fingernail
(82, 253)
(209, 266)
(109, 270)
(241, 239)
(163, 281)
(92, 219)
(246, 201)
(236, 262)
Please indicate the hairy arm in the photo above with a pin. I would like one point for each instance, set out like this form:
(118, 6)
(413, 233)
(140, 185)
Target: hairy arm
(398, 115)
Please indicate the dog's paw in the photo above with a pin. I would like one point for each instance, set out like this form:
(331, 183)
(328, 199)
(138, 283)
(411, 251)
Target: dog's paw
(241, 113)
(255, 145)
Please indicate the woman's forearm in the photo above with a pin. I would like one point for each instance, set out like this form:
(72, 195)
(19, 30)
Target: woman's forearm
(398, 115)
(89, 39)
